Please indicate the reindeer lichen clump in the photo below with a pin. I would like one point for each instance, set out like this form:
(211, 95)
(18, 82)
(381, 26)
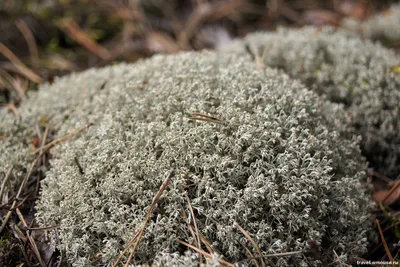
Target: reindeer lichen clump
(250, 147)
(345, 69)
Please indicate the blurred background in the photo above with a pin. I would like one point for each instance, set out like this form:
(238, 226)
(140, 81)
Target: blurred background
(41, 39)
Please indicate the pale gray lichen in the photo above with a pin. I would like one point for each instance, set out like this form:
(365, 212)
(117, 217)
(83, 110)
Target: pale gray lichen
(279, 166)
(73, 104)
(344, 69)
(384, 27)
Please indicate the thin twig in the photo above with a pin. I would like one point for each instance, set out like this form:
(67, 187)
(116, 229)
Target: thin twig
(61, 139)
(205, 254)
(138, 235)
(252, 241)
(384, 241)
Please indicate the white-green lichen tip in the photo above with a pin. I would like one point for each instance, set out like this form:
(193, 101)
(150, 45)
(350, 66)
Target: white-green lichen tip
(273, 158)
(345, 69)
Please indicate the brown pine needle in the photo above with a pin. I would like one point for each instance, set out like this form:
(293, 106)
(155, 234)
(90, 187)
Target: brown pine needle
(30, 238)
(75, 32)
(252, 241)
(207, 244)
(138, 235)
(44, 228)
(283, 254)
(204, 117)
(195, 224)
(27, 72)
(392, 190)
(338, 259)
(30, 40)
(185, 218)
(264, 56)
(21, 188)
(3, 184)
(61, 139)
(205, 254)
(251, 256)
(384, 241)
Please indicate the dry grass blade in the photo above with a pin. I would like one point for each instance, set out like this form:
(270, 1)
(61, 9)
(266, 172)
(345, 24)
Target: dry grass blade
(30, 40)
(384, 241)
(61, 139)
(205, 254)
(76, 33)
(138, 235)
(195, 224)
(252, 241)
(27, 72)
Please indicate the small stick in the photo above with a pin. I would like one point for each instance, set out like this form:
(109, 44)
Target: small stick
(384, 241)
(61, 139)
